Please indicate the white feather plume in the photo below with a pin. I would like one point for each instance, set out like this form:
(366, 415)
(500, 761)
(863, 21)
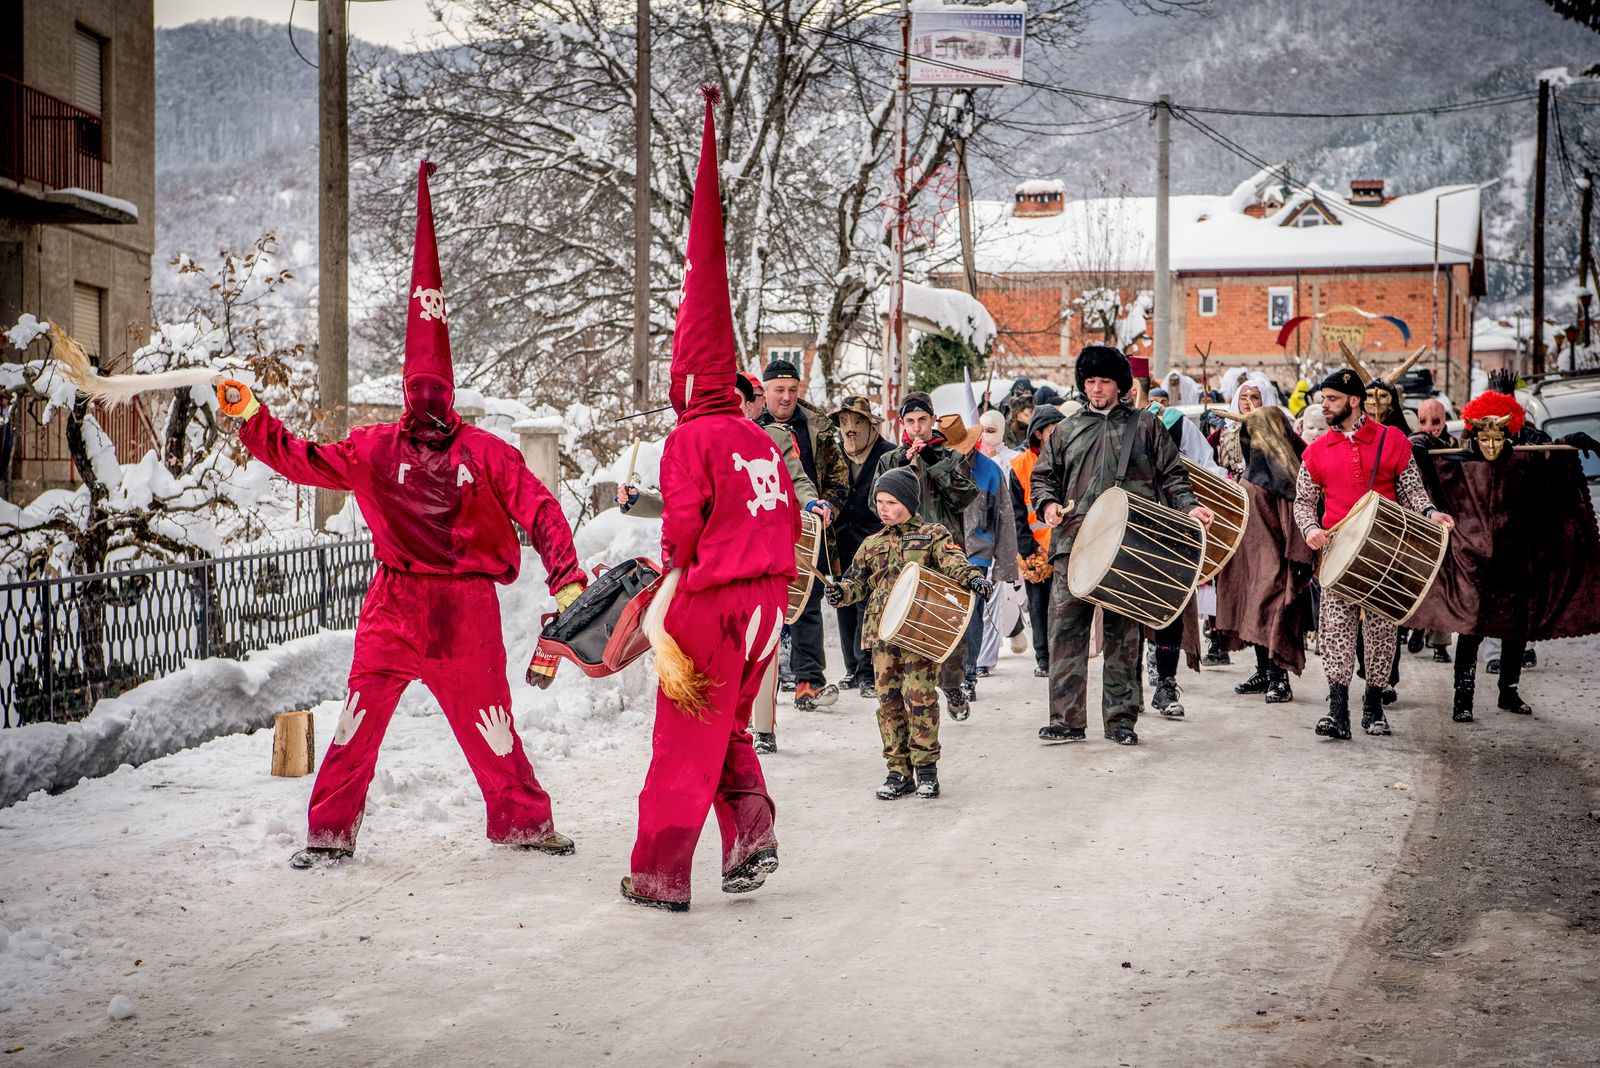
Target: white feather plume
(118, 389)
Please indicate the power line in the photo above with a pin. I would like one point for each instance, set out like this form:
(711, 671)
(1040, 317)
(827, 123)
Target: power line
(794, 26)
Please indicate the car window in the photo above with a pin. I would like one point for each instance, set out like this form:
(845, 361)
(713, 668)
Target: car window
(1588, 423)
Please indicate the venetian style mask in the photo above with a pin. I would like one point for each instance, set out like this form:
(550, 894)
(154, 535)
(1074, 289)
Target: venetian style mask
(1489, 433)
(1378, 403)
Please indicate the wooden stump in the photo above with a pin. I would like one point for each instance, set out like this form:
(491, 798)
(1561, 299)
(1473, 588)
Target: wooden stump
(294, 744)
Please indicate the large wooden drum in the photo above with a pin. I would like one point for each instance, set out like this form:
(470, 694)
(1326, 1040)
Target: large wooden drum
(805, 565)
(1230, 509)
(927, 613)
(1383, 557)
(1137, 558)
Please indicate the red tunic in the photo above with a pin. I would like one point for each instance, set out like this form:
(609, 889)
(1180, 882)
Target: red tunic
(1343, 466)
(432, 511)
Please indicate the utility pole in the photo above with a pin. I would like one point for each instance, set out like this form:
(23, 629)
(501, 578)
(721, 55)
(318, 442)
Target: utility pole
(969, 269)
(1538, 228)
(1161, 357)
(894, 357)
(333, 235)
(641, 207)
(1586, 272)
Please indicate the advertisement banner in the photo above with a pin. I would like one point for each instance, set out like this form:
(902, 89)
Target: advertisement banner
(953, 44)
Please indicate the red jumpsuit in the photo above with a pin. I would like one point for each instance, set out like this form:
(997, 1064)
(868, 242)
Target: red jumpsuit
(442, 530)
(730, 520)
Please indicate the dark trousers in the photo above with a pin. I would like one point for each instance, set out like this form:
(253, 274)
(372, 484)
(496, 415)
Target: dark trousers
(1168, 641)
(1510, 660)
(806, 658)
(1039, 619)
(975, 635)
(1121, 692)
(857, 664)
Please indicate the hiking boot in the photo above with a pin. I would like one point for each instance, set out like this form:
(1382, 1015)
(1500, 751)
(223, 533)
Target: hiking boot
(1278, 689)
(1058, 732)
(650, 902)
(1041, 671)
(1511, 701)
(1493, 666)
(895, 786)
(869, 689)
(970, 688)
(554, 844)
(956, 703)
(927, 780)
(1336, 724)
(1165, 700)
(1372, 720)
(848, 682)
(1215, 654)
(1257, 683)
(808, 696)
(319, 857)
(1152, 672)
(1416, 641)
(1123, 736)
(752, 873)
(765, 741)
(1461, 709)
(1389, 694)
(1530, 658)
(984, 673)
(1441, 655)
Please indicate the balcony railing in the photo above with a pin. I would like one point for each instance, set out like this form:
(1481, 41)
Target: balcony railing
(47, 140)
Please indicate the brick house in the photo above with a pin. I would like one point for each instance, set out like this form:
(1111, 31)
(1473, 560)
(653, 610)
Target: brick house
(1058, 274)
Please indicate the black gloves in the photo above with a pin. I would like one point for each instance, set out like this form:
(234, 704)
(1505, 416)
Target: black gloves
(833, 593)
(1582, 442)
(982, 587)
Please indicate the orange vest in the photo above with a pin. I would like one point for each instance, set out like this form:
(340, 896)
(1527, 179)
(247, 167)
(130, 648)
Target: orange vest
(1022, 468)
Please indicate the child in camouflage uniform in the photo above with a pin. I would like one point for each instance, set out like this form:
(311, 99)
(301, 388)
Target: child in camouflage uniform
(908, 703)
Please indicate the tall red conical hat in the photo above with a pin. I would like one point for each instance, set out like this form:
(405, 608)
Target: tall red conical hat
(427, 334)
(704, 355)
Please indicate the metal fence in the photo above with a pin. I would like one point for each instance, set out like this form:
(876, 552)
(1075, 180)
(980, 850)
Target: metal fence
(47, 140)
(67, 642)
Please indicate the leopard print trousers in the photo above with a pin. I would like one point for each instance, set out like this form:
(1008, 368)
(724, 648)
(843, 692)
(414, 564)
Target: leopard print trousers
(1340, 622)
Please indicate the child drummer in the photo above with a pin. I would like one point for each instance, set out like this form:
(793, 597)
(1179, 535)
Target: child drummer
(908, 703)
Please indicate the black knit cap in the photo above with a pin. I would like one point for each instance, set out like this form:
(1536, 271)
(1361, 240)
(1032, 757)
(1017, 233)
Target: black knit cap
(917, 402)
(1043, 415)
(1347, 382)
(1103, 361)
(901, 484)
(780, 369)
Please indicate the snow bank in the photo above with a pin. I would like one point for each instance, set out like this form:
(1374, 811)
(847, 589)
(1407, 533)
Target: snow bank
(936, 309)
(203, 700)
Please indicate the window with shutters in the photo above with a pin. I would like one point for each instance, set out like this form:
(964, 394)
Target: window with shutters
(88, 88)
(87, 302)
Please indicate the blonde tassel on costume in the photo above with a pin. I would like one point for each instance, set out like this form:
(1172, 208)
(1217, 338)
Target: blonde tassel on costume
(117, 389)
(683, 683)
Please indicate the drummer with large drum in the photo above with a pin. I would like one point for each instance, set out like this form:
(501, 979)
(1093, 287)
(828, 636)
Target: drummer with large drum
(1356, 457)
(1108, 444)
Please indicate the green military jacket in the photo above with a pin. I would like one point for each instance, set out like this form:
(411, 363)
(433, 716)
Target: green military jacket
(885, 554)
(947, 489)
(1079, 462)
(832, 481)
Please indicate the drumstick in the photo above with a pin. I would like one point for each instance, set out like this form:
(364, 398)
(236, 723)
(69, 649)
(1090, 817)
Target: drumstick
(633, 455)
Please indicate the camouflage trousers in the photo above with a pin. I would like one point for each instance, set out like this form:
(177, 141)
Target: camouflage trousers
(1121, 688)
(908, 707)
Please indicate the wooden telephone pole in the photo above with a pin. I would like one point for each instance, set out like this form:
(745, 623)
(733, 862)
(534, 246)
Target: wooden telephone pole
(333, 235)
(641, 207)
(1538, 229)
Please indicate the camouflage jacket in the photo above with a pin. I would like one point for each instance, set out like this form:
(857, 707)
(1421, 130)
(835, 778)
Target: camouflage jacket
(829, 476)
(947, 489)
(885, 554)
(1079, 462)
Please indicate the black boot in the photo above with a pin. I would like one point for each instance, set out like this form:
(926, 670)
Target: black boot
(927, 780)
(1278, 690)
(955, 700)
(1441, 655)
(1336, 724)
(1256, 683)
(1165, 699)
(1372, 703)
(1511, 701)
(1416, 641)
(1461, 711)
(1215, 653)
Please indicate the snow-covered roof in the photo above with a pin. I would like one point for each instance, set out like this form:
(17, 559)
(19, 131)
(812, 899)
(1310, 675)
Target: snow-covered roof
(932, 308)
(1210, 233)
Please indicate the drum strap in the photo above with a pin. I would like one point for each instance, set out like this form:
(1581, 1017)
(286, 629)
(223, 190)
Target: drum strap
(1373, 481)
(1127, 447)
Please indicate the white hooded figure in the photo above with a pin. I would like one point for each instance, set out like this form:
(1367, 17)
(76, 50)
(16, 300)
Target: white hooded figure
(1181, 389)
(1254, 391)
(1231, 380)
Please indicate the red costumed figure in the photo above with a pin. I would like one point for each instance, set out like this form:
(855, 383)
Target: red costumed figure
(729, 524)
(440, 497)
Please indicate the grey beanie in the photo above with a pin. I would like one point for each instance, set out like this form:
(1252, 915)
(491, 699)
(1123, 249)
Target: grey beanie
(901, 484)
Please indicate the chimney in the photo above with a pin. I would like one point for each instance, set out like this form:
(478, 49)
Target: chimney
(1038, 197)
(1367, 192)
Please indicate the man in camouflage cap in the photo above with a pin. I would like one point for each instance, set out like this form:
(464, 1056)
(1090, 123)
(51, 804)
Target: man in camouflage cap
(1077, 463)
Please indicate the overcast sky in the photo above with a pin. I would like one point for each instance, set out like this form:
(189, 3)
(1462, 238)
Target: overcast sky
(390, 22)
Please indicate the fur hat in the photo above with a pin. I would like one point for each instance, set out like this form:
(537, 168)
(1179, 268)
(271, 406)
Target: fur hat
(901, 484)
(1103, 361)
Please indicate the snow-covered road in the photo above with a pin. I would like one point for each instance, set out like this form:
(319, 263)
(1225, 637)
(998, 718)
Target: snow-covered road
(1187, 901)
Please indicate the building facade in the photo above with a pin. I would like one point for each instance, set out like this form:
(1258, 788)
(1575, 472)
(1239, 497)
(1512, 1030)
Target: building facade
(1058, 274)
(77, 200)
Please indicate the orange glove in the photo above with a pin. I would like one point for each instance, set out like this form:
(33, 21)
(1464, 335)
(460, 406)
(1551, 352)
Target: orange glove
(236, 399)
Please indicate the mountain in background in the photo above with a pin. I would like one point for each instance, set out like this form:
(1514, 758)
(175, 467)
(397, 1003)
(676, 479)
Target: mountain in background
(236, 122)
